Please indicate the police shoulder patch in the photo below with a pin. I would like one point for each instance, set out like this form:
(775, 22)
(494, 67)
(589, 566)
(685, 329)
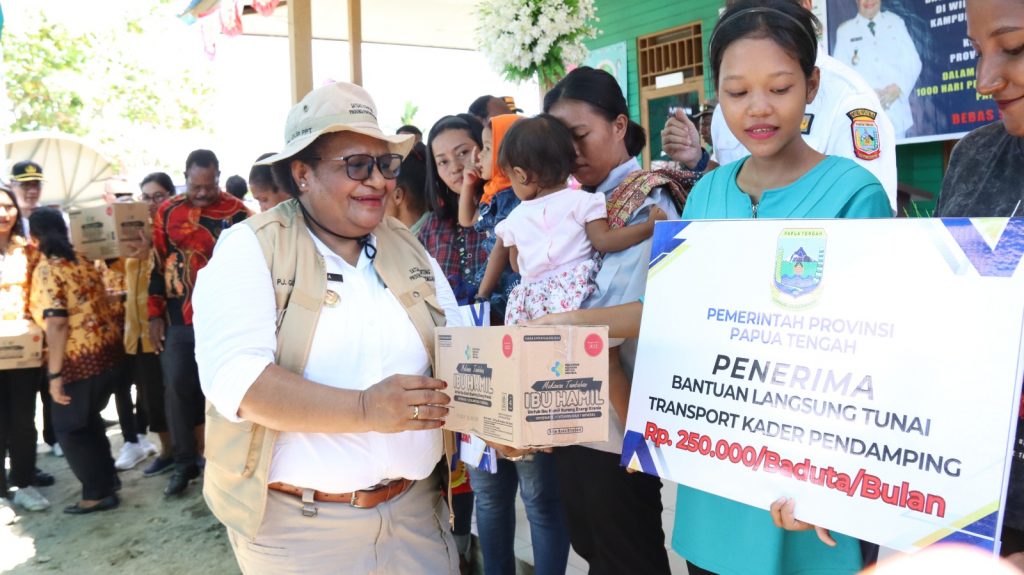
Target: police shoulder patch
(805, 124)
(864, 131)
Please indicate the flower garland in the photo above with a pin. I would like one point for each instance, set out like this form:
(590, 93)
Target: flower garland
(524, 39)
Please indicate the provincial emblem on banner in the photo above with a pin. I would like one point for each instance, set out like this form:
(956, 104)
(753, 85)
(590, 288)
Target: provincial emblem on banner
(799, 265)
(866, 144)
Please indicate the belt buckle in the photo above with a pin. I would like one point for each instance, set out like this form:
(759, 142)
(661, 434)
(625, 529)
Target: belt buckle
(354, 501)
(309, 508)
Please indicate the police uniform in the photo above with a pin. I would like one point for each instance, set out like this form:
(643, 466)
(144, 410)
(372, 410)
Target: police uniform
(883, 53)
(845, 119)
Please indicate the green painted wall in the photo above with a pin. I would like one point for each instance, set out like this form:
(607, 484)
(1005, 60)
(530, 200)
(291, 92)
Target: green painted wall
(919, 165)
(624, 20)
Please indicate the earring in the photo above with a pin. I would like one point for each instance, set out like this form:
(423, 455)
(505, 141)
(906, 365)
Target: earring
(302, 184)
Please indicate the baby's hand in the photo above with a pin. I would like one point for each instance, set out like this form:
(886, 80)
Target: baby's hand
(657, 214)
(470, 176)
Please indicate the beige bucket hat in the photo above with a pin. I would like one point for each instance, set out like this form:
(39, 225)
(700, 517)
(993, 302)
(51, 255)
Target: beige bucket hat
(339, 107)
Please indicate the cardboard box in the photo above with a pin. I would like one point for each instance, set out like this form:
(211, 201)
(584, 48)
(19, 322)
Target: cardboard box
(21, 344)
(526, 386)
(105, 232)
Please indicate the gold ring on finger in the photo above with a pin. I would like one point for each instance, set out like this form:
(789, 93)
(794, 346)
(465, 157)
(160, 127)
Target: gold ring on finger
(415, 412)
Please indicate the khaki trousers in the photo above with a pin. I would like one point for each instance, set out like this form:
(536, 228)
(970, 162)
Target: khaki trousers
(404, 536)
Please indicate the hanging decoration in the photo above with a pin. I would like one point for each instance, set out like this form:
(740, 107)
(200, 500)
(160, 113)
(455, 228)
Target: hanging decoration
(265, 7)
(198, 9)
(231, 17)
(541, 39)
(221, 18)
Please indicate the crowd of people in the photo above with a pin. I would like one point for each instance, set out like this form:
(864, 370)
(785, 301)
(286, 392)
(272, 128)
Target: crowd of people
(286, 357)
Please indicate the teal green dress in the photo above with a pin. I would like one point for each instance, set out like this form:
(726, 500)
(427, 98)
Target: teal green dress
(719, 534)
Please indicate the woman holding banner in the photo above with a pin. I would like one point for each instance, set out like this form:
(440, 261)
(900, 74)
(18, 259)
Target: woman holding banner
(765, 50)
(983, 179)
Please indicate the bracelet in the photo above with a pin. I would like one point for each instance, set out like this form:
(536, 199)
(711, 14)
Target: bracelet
(52, 376)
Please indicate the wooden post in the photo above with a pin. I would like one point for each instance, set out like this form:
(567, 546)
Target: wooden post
(300, 47)
(355, 41)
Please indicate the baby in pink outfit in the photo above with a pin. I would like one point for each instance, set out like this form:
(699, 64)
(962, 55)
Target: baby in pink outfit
(554, 233)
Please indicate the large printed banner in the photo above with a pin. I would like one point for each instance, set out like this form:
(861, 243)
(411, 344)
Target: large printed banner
(916, 55)
(870, 369)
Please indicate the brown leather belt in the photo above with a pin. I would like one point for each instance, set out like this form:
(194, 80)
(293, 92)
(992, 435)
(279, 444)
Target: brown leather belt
(364, 499)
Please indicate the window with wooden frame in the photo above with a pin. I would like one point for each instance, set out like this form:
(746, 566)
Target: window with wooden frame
(671, 68)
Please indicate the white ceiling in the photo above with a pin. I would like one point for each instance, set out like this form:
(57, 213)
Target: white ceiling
(437, 23)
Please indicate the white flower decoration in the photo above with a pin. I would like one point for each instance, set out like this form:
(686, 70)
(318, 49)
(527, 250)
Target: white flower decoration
(528, 38)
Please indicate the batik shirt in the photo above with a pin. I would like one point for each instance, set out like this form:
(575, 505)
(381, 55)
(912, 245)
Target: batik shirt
(183, 239)
(75, 290)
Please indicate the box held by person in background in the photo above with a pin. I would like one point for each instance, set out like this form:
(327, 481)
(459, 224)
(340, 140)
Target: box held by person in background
(526, 386)
(110, 231)
(21, 344)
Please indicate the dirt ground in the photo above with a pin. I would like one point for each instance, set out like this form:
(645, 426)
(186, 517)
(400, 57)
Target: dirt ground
(147, 535)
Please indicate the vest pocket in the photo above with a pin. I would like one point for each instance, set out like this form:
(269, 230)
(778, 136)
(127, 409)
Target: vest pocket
(228, 444)
(436, 311)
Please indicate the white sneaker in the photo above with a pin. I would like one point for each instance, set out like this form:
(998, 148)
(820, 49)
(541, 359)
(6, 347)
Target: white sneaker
(148, 446)
(7, 515)
(30, 499)
(131, 455)
(56, 450)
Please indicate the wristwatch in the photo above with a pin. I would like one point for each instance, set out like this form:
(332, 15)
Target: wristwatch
(52, 376)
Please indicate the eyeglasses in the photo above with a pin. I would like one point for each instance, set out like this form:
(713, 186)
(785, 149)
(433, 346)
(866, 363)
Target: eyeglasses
(156, 198)
(360, 166)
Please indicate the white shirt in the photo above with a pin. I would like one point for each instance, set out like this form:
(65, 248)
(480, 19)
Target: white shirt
(831, 129)
(363, 339)
(887, 56)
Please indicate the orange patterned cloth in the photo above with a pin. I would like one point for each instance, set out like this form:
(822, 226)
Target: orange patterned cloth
(75, 290)
(633, 191)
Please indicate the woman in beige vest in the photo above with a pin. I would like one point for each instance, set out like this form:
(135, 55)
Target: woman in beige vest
(314, 340)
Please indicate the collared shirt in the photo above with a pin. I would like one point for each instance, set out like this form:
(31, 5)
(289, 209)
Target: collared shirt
(883, 57)
(830, 129)
(75, 290)
(366, 337)
(136, 325)
(460, 252)
(623, 278)
(183, 238)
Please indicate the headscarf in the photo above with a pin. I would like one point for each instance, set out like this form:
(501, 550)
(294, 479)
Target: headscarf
(499, 181)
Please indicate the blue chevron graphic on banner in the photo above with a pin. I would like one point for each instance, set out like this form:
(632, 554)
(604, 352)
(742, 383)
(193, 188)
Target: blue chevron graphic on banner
(999, 262)
(634, 443)
(665, 239)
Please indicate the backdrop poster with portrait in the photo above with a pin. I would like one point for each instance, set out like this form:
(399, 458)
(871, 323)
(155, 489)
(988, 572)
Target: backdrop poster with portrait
(921, 48)
(870, 369)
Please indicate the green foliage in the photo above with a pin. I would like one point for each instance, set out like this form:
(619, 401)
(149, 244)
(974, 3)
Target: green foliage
(38, 66)
(97, 85)
(409, 113)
